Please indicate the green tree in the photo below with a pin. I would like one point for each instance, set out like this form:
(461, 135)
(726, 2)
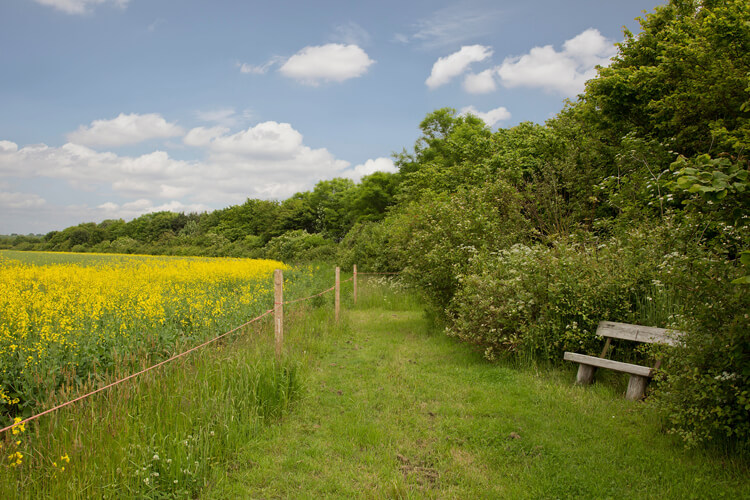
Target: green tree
(329, 204)
(369, 200)
(684, 80)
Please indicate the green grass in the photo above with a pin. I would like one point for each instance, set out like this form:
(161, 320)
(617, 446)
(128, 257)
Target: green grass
(382, 405)
(394, 409)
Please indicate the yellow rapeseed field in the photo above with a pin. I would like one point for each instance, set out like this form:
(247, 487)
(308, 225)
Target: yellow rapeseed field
(63, 320)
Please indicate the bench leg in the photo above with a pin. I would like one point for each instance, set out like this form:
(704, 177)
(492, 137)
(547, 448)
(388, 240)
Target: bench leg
(636, 387)
(585, 374)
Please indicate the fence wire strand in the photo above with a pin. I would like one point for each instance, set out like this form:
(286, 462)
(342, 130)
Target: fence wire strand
(152, 367)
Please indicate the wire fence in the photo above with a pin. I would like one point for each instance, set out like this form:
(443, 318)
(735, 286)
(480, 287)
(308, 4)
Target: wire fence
(192, 349)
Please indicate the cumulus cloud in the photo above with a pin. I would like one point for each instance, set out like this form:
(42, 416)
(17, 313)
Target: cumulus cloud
(80, 6)
(447, 68)
(266, 140)
(332, 62)
(125, 129)
(132, 209)
(564, 72)
(10, 200)
(202, 136)
(370, 167)
(269, 160)
(490, 117)
(480, 83)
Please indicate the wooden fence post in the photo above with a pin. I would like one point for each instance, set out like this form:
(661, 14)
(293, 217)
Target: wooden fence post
(278, 310)
(337, 301)
(354, 282)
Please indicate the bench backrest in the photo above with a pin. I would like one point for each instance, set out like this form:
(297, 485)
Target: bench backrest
(637, 333)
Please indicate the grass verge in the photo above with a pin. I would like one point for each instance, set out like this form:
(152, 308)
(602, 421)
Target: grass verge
(381, 405)
(393, 408)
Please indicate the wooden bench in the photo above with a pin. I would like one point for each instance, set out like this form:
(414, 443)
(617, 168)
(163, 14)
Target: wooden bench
(639, 375)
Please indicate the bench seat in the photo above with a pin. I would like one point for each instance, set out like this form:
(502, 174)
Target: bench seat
(642, 371)
(639, 375)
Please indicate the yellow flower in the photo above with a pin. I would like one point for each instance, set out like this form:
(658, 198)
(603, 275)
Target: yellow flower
(66, 458)
(68, 305)
(17, 456)
(18, 428)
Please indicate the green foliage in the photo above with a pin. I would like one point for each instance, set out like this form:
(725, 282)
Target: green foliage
(631, 204)
(705, 391)
(438, 236)
(369, 246)
(722, 185)
(539, 301)
(299, 246)
(683, 80)
(329, 204)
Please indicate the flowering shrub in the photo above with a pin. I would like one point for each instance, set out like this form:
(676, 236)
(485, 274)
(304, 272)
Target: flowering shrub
(541, 301)
(439, 236)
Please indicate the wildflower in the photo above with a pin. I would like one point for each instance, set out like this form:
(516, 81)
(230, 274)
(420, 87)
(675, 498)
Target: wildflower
(18, 428)
(15, 459)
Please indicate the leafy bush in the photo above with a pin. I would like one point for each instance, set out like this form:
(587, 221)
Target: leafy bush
(368, 246)
(298, 246)
(441, 234)
(705, 390)
(541, 301)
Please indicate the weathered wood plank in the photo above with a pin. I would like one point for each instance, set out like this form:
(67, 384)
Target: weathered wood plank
(637, 333)
(619, 366)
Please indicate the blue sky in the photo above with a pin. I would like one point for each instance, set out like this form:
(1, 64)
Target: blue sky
(114, 108)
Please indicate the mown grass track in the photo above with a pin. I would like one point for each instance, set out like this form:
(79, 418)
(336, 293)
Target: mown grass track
(394, 409)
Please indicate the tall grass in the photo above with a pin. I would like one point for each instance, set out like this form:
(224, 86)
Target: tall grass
(160, 435)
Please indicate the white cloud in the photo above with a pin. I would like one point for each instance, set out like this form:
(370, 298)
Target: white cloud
(370, 167)
(130, 210)
(260, 69)
(8, 147)
(265, 140)
(125, 129)
(10, 201)
(446, 68)
(268, 160)
(480, 83)
(490, 117)
(351, 33)
(564, 72)
(202, 136)
(332, 62)
(226, 117)
(216, 115)
(80, 6)
(456, 24)
(400, 38)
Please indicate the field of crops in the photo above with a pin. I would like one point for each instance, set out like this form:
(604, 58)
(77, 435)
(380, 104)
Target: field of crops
(68, 320)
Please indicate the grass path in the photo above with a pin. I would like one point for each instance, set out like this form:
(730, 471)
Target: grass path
(393, 410)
